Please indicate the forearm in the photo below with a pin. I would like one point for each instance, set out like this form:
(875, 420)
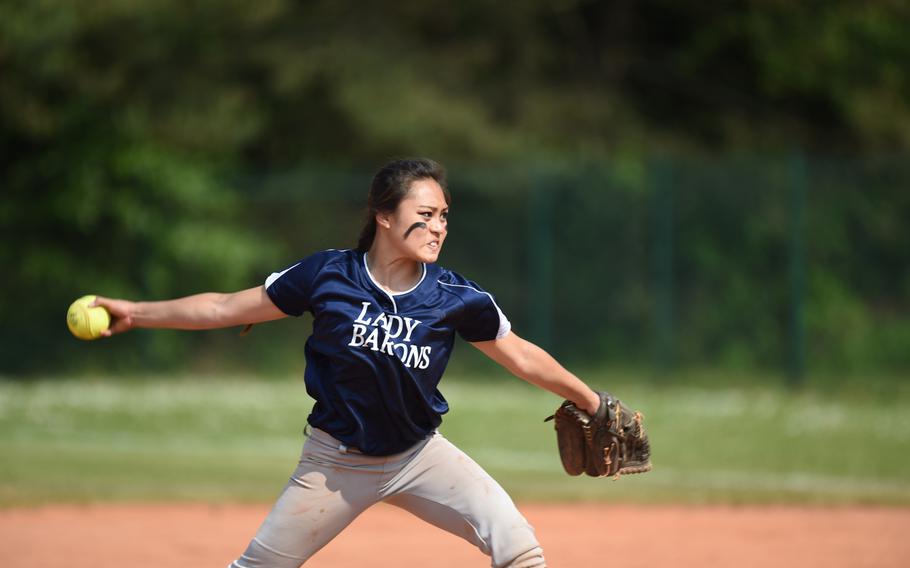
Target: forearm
(531, 363)
(540, 368)
(200, 311)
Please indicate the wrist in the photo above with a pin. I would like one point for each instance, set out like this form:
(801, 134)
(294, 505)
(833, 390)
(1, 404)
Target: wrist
(592, 402)
(133, 313)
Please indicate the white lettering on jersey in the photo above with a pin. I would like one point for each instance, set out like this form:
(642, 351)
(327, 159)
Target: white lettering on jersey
(363, 312)
(413, 356)
(359, 332)
(387, 345)
(394, 322)
(372, 340)
(424, 357)
(385, 329)
(408, 322)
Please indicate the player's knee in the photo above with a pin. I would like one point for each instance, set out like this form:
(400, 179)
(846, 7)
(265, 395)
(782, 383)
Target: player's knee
(258, 555)
(529, 559)
(514, 545)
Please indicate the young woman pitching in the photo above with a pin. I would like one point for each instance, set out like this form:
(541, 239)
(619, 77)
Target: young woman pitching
(384, 323)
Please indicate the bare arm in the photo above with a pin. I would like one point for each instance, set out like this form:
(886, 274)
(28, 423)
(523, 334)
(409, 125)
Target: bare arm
(531, 363)
(203, 311)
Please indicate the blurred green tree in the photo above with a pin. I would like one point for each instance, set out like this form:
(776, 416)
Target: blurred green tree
(127, 126)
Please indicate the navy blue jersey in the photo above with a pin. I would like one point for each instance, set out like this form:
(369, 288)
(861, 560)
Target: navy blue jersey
(375, 359)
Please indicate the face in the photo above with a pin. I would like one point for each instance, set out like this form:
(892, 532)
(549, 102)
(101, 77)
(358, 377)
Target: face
(419, 226)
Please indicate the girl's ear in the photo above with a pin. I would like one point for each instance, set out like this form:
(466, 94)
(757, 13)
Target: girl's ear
(382, 220)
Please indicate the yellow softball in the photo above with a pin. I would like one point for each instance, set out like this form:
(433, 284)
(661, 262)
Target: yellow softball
(86, 321)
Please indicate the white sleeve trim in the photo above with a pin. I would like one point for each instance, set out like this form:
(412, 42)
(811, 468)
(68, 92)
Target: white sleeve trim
(276, 275)
(504, 324)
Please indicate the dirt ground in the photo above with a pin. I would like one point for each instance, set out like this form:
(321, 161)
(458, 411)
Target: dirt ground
(180, 536)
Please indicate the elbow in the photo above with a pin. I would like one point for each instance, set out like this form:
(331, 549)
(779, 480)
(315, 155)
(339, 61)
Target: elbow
(524, 365)
(217, 313)
(523, 369)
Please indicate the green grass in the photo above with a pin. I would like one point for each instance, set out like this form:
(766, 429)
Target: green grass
(205, 439)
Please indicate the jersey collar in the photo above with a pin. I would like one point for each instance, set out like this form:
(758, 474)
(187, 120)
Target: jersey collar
(391, 296)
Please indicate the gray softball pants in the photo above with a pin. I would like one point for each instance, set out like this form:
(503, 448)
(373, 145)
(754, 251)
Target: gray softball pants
(433, 480)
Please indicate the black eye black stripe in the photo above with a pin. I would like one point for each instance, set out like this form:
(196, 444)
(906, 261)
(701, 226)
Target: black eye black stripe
(417, 225)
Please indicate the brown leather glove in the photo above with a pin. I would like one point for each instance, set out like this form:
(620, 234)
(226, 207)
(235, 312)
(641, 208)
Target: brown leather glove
(612, 442)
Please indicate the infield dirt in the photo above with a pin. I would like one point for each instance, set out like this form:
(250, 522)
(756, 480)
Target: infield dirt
(177, 536)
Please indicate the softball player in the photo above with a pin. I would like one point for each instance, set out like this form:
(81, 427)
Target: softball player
(384, 323)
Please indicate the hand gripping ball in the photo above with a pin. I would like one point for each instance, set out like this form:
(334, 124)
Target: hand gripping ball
(86, 321)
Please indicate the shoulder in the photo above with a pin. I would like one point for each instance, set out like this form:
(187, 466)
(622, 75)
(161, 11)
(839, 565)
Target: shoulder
(322, 260)
(457, 285)
(309, 267)
(448, 279)
(332, 256)
(480, 317)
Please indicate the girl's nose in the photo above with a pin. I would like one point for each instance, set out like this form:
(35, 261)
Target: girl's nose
(437, 226)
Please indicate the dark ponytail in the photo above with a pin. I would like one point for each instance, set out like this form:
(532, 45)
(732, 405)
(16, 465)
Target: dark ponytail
(391, 184)
(367, 234)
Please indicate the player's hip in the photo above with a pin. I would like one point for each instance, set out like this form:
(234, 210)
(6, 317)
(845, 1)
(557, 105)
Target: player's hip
(323, 448)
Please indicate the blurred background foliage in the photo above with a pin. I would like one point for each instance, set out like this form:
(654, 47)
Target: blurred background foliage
(640, 182)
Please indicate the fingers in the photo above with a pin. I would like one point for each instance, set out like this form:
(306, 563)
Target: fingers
(119, 310)
(119, 325)
(102, 302)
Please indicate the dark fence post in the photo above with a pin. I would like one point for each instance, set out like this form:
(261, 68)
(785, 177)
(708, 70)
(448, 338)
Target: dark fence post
(664, 281)
(540, 259)
(796, 364)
